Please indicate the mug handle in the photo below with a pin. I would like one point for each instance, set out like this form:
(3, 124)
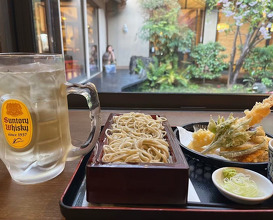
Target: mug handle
(90, 93)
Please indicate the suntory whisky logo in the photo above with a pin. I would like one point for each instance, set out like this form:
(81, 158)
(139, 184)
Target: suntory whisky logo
(14, 109)
(17, 123)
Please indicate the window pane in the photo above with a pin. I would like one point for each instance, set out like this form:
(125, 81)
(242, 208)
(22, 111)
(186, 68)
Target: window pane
(92, 25)
(167, 46)
(73, 40)
(41, 31)
(189, 48)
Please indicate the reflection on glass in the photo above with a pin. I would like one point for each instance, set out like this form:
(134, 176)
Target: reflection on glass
(172, 46)
(92, 21)
(73, 41)
(40, 26)
(93, 59)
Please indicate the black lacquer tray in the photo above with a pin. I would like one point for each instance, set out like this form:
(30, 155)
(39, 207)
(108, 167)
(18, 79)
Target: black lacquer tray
(212, 204)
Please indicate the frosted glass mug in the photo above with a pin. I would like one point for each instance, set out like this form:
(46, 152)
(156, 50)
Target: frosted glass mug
(35, 140)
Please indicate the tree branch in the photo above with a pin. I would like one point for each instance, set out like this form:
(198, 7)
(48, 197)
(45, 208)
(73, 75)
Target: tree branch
(255, 32)
(232, 57)
(247, 42)
(241, 41)
(257, 42)
(247, 46)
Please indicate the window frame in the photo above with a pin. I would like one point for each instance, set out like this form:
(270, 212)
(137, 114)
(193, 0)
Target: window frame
(172, 101)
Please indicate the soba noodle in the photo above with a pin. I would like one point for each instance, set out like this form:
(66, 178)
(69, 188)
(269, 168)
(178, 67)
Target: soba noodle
(136, 138)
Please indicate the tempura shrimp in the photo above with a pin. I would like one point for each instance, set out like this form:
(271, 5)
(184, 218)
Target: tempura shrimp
(259, 111)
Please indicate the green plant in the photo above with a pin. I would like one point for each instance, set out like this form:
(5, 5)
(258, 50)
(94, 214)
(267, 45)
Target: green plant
(155, 71)
(208, 61)
(267, 82)
(168, 37)
(237, 87)
(162, 30)
(259, 65)
(173, 76)
(161, 76)
(249, 81)
(139, 66)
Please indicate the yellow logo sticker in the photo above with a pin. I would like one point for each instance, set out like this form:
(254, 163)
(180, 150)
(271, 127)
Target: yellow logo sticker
(17, 123)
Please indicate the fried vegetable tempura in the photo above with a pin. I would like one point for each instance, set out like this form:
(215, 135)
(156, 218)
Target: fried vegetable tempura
(259, 111)
(235, 137)
(228, 133)
(201, 138)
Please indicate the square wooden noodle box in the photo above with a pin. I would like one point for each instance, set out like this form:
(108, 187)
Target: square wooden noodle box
(146, 183)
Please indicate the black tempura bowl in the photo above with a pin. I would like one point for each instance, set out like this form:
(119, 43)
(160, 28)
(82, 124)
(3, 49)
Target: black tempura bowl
(214, 162)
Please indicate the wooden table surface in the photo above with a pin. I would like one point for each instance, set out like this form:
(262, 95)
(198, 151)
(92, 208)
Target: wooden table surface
(41, 201)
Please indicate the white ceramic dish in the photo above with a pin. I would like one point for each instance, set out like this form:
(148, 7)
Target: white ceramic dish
(264, 185)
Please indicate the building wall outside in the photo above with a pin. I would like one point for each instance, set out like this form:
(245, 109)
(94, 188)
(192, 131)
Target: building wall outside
(126, 44)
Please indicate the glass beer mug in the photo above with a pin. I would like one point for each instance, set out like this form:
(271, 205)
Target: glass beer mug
(35, 137)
